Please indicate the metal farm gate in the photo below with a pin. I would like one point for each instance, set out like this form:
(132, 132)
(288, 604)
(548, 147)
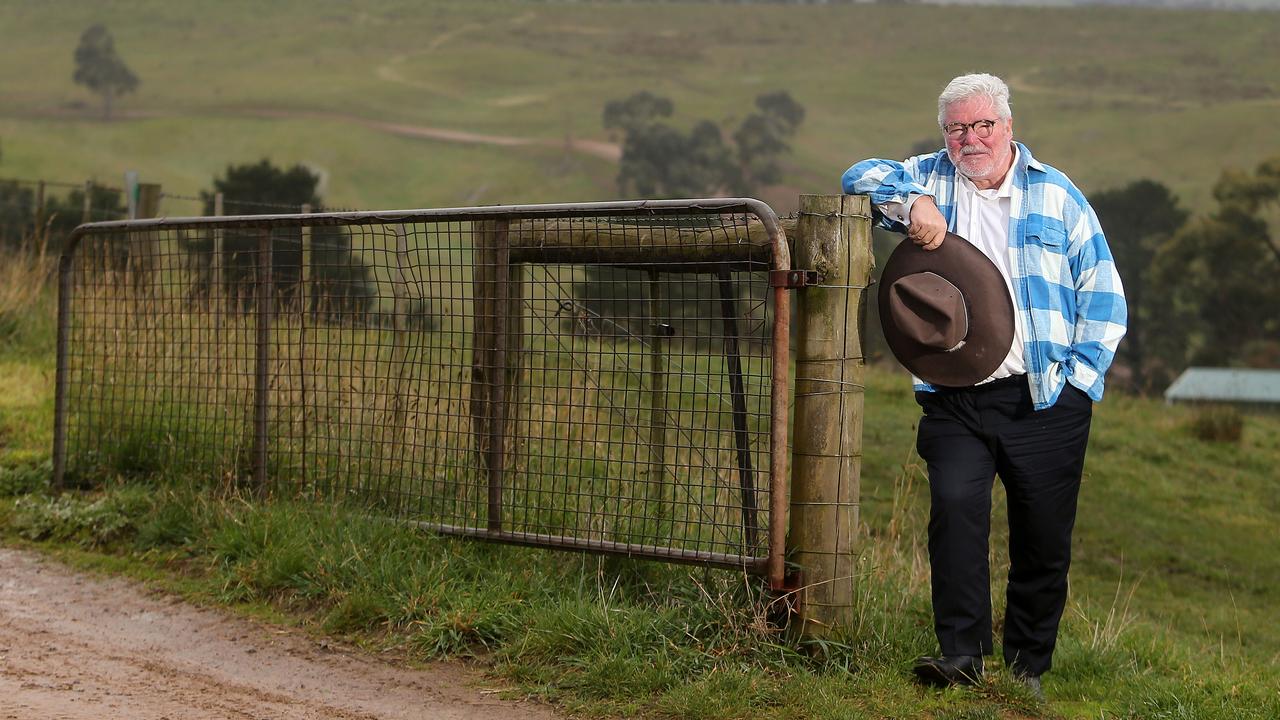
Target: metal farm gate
(608, 377)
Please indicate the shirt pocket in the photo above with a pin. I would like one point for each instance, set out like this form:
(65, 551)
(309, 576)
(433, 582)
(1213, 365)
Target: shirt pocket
(1050, 236)
(1049, 271)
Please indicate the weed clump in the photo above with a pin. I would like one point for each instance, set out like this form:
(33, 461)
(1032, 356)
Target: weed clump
(24, 479)
(89, 521)
(1218, 423)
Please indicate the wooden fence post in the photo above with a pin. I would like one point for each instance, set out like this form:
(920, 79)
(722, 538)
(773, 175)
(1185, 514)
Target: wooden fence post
(497, 329)
(304, 269)
(144, 256)
(218, 211)
(38, 234)
(86, 209)
(94, 256)
(148, 200)
(833, 237)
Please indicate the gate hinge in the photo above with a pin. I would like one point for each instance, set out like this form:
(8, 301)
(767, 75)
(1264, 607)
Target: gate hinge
(793, 279)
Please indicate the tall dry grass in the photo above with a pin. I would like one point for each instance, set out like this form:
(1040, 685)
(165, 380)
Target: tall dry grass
(25, 273)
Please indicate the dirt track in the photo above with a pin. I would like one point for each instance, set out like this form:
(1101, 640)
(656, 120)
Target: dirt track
(74, 647)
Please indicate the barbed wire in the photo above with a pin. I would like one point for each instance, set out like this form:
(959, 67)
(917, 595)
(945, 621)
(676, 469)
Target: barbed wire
(57, 183)
(291, 208)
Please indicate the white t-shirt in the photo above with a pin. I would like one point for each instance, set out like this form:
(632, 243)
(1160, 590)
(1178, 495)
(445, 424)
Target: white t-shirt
(982, 218)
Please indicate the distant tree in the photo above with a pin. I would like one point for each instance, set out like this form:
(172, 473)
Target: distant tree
(1220, 276)
(62, 213)
(637, 112)
(1139, 219)
(100, 69)
(761, 140)
(16, 204)
(262, 188)
(661, 161)
(341, 288)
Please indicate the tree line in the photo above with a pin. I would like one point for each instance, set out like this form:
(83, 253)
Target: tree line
(1202, 290)
(342, 286)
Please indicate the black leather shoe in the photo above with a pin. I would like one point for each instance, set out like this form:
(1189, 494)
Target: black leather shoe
(1031, 683)
(949, 670)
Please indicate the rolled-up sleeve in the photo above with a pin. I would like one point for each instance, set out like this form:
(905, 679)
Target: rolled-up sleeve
(884, 181)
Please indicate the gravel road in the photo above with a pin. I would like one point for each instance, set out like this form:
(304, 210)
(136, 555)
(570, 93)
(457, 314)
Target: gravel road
(75, 646)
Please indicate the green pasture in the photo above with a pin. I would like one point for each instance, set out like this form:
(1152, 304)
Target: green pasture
(1177, 561)
(1107, 94)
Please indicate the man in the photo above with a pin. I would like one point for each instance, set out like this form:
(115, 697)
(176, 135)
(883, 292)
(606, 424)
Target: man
(1028, 421)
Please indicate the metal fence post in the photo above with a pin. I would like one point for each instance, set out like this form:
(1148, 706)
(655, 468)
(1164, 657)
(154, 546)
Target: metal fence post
(834, 238)
(397, 422)
(61, 380)
(482, 307)
(262, 380)
(737, 391)
(659, 488)
(304, 308)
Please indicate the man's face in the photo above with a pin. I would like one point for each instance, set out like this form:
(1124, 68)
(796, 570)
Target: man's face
(983, 160)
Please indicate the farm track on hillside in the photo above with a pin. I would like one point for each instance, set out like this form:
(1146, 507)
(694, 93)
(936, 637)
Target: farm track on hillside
(601, 149)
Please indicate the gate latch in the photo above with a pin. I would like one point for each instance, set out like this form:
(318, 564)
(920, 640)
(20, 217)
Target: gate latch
(793, 279)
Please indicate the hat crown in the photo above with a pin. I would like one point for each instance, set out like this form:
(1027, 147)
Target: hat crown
(929, 310)
(947, 313)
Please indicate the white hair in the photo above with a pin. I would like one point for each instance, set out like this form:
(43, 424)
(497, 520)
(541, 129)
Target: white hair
(976, 85)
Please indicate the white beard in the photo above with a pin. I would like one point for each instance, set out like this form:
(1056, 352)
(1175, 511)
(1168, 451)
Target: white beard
(975, 166)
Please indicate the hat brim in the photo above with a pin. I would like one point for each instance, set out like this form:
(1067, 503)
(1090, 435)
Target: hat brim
(986, 297)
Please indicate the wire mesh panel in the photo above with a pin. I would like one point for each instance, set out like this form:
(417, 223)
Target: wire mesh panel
(598, 377)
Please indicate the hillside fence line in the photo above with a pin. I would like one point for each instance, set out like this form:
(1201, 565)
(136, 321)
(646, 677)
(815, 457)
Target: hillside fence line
(601, 377)
(34, 212)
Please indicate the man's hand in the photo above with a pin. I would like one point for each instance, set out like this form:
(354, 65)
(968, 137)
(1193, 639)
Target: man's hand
(928, 228)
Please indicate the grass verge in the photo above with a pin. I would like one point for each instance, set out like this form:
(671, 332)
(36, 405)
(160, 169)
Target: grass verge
(609, 637)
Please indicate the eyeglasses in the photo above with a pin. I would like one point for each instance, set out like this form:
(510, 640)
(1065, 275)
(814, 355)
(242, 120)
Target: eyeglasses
(981, 128)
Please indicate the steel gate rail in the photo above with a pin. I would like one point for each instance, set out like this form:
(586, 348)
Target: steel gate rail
(606, 377)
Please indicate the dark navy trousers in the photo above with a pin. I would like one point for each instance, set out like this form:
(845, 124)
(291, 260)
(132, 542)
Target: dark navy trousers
(966, 437)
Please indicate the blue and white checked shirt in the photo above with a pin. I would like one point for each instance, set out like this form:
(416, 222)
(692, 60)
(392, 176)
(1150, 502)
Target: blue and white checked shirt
(1064, 278)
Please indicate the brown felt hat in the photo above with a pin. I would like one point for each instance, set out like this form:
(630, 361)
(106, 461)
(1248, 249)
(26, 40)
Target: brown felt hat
(946, 313)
